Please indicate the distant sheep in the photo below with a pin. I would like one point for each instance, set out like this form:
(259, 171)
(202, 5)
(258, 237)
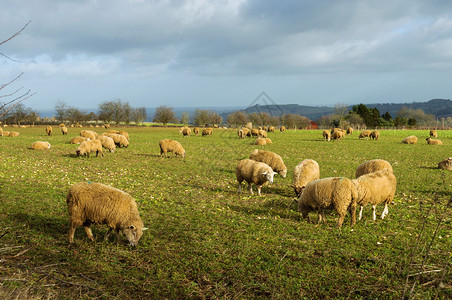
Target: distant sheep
(1, 131)
(125, 134)
(49, 130)
(262, 133)
(64, 130)
(305, 172)
(272, 159)
(6, 133)
(39, 145)
(119, 139)
(338, 134)
(186, 131)
(89, 134)
(254, 172)
(269, 141)
(97, 203)
(364, 134)
(374, 135)
(107, 142)
(246, 131)
(106, 126)
(168, 145)
(373, 165)
(433, 142)
(14, 134)
(433, 133)
(349, 130)
(207, 131)
(375, 188)
(271, 128)
(260, 142)
(254, 132)
(338, 193)
(410, 140)
(87, 147)
(282, 128)
(195, 130)
(241, 133)
(79, 139)
(326, 135)
(446, 164)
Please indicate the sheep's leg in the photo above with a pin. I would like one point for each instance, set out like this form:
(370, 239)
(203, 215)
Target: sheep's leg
(340, 220)
(107, 235)
(88, 231)
(353, 214)
(72, 228)
(259, 190)
(250, 188)
(240, 187)
(374, 215)
(385, 211)
(361, 212)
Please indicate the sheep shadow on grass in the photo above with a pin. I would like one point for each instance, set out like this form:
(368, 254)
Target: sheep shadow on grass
(51, 226)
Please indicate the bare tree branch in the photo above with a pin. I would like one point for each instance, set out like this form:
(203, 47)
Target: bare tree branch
(16, 34)
(6, 84)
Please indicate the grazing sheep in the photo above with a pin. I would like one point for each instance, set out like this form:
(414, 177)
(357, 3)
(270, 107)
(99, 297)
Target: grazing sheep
(79, 139)
(271, 128)
(270, 158)
(373, 165)
(125, 134)
(14, 134)
(260, 142)
(374, 135)
(349, 130)
(241, 133)
(262, 133)
(97, 203)
(107, 142)
(338, 193)
(305, 172)
(64, 130)
(410, 140)
(119, 139)
(186, 131)
(207, 131)
(39, 145)
(253, 172)
(106, 126)
(49, 130)
(254, 132)
(446, 164)
(338, 134)
(195, 130)
(182, 129)
(375, 188)
(327, 135)
(282, 128)
(364, 134)
(89, 134)
(246, 131)
(433, 142)
(168, 145)
(433, 133)
(87, 147)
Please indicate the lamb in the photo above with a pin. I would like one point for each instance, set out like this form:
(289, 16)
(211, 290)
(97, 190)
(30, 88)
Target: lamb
(433, 133)
(168, 145)
(373, 165)
(364, 134)
(186, 131)
(49, 130)
(410, 140)
(375, 188)
(207, 131)
(446, 164)
(305, 172)
(39, 145)
(97, 203)
(64, 130)
(374, 135)
(87, 147)
(282, 128)
(89, 134)
(107, 142)
(260, 142)
(79, 139)
(433, 142)
(254, 172)
(270, 158)
(338, 193)
(327, 135)
(350, 130)
(14, 134)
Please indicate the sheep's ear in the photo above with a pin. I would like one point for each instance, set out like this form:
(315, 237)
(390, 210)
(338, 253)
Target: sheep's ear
(144, 228)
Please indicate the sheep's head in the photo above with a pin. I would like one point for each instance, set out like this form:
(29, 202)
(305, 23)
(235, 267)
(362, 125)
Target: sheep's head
(298, 190)
(133, 233)
(283, 173)
(78, 152)
(268, 176)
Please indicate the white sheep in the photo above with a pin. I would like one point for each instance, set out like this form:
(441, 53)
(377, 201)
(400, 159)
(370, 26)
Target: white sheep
(89, 134)
(254, 172)
(326, 135)
(445, 164)
(39, 145)
(338, 193)
(107, 142)
(375, 188)
(272, 159)
(373, 165)
(87, 147)
(96, 203)
(79, 139)
(410, 140)
(168, 145)
(364, 134)
(433, 133)
(306, 171)
(433, 142)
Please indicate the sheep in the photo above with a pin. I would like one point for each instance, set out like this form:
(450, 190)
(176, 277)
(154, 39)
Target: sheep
(410, 140)
(254, 132)
(39, 145)
(87, 147)
(246, 131)
(89, 134)
(433, 142)
(168, 145)
(195, 130)
(433, 133)
(374, 135)
(446, 164)
(97, 203)
(106, 126)
(1, 131)
(260, 142)
(207, 131)
(350, 130)
(306, 171)
(373, 165)
(265, 128)
(181, 129)
(14, 134)
(107, 142)
(119, 139)
(270, 158)
(375, 188)
(79, 139)
(241, 133)
(338, 193)
(271, 128)
(186, 132)
(327, 135)
(253, 172)
(125, 134)
(364, 134)
(267, 140)
(49, 130)
(6, 133)
(64, 130)
(282, 128)
(338, 134)
(262, 133)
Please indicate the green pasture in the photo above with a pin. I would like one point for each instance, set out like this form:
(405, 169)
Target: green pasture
(207, 241)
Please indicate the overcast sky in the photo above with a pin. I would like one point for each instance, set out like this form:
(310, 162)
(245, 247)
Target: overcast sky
(225, 53)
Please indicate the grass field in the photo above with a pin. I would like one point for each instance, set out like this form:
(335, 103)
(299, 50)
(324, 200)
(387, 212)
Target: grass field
(207, 241)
